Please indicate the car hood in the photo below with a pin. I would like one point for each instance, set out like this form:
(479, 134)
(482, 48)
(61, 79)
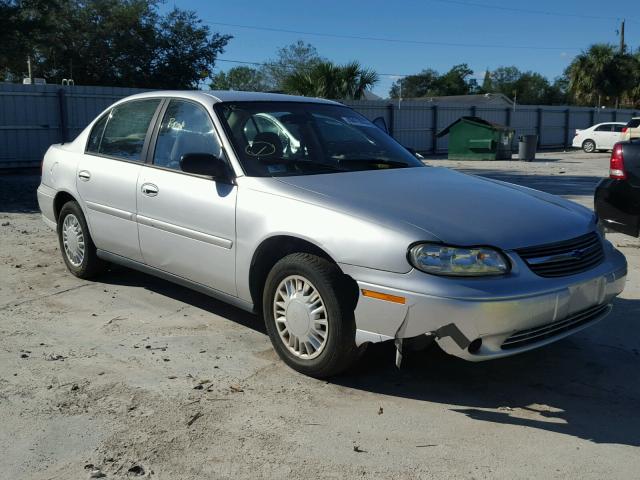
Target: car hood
(449, 206)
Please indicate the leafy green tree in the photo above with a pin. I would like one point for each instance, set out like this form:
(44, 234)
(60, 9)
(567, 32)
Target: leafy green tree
(487, 83)
(456, 81)
(298, 57)
(240, 78)
(429, 83)
(186, 50)
(328, 80)
(110, 42)
(529, 88)
(415, 86)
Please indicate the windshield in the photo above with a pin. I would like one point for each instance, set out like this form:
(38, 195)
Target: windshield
(295, 138)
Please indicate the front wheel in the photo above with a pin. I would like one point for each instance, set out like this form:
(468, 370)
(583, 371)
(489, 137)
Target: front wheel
(309, 316)
(78, 250)
(589, 146)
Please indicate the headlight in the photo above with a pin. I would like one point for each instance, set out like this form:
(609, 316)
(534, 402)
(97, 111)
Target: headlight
(446, 260)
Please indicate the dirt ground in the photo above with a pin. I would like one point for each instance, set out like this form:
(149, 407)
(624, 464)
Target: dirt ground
(134, 376)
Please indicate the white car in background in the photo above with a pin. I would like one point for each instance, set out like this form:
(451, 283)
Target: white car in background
(631, 129)
(602, 136)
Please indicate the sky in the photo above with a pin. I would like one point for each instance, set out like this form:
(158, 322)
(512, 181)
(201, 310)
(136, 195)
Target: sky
(542, 36)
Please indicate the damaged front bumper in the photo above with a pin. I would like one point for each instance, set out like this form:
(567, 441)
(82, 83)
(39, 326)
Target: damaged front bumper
(484, 318)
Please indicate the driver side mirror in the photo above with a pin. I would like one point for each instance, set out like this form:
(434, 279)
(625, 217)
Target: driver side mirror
(207, 165)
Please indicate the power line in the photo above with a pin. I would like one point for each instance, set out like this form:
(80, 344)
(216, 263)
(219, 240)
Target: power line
(526, 10)
(392, 40)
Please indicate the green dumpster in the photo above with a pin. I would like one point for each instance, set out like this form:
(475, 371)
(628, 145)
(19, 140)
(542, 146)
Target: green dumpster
(473, 138)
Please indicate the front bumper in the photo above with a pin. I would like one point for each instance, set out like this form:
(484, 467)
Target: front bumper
(490, 309)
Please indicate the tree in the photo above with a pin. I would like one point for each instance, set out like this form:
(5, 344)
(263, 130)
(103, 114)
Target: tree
(601, 75)
(240, 78)
(414, 86)
(529, 88)
(186, 50)
(328, 80)
(456, 81)
(110, 42)
(487, 83)
(429, 83)
(293, 58)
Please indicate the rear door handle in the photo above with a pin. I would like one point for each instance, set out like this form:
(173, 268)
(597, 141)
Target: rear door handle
(84, 175)
(149, 189)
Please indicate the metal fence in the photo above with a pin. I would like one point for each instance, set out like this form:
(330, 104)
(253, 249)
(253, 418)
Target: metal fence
(415, 123)
(32, 117)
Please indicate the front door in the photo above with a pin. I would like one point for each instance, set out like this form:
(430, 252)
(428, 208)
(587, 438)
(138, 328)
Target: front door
(186, 222)
(108, 172)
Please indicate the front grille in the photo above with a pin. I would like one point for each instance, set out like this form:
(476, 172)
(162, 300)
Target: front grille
(543, 332)
(564, 258)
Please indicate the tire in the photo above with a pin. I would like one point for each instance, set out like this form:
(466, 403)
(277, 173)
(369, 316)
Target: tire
(589, 146)
(309, 275)
(79, 254)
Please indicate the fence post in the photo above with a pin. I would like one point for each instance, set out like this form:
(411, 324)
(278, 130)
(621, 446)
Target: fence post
(615, 115)
(508, 117)
(567, 118)
(62, 111)
(539, 126)
(593, 117)
(434, 129)
(473, 111)
(391, 119)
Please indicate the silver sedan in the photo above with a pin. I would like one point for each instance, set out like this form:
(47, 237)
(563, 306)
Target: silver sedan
(303, 211)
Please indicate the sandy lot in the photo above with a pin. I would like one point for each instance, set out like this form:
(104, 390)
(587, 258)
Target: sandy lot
(135, 376)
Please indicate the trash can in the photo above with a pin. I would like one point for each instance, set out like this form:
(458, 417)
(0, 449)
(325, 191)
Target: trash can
(474, 138)
(527, 146)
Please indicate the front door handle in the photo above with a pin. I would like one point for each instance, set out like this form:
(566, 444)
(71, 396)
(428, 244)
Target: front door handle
(149, 189)
(84, 175)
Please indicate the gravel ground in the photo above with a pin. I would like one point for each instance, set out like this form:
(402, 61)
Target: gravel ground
(134, 376)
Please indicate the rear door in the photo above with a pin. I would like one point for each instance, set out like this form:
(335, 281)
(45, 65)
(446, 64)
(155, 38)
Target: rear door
(108, 173)
(604, 136)
(186, 222)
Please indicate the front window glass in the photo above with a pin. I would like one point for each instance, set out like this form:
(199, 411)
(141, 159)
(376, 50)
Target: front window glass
(295, 138)
(186, 128)
(126, 129)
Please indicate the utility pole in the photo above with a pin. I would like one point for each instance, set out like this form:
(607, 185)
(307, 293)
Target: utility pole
(29, 69)
(622, 45)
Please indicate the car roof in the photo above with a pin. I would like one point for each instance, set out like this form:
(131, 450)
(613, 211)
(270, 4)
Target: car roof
(218, 96)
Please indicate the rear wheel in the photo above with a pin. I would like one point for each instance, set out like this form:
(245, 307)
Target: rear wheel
(589, 146)
(308, 315)
(78, 250)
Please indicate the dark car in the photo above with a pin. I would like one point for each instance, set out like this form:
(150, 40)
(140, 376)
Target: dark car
(617, 198)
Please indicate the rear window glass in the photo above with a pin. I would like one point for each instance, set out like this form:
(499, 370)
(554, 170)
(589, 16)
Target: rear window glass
(125, 130)
(634, 123)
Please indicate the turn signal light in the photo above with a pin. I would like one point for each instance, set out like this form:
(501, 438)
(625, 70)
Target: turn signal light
(384, 296)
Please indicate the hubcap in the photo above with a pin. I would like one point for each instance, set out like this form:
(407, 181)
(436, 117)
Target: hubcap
(73, 240)
(301, 317)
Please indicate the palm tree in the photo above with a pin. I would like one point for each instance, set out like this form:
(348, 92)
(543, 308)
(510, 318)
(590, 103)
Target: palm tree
(601, 74)
(328, 80)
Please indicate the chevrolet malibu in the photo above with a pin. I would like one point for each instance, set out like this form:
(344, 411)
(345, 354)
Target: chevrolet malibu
(303, 211)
